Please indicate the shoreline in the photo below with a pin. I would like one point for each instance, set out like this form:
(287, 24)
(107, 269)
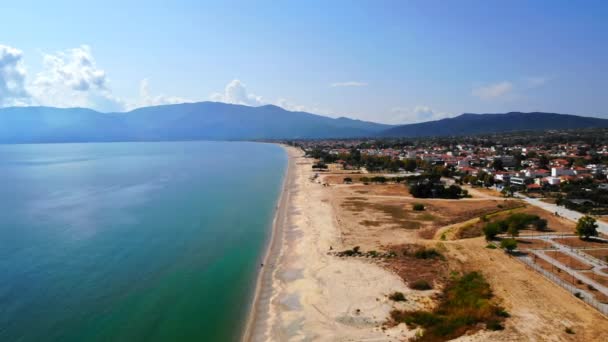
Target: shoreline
(305, 293)
(264, 283)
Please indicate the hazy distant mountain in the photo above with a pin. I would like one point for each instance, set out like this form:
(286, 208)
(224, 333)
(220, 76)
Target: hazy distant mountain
(221, 121)
(469, 124)
(189, 121)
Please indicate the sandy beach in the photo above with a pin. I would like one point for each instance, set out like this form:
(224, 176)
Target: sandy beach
(305, 294)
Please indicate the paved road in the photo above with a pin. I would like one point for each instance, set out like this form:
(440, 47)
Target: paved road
(564, 212)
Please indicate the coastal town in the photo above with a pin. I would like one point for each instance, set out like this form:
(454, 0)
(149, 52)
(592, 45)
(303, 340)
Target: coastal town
(574, 175)
(402, 240)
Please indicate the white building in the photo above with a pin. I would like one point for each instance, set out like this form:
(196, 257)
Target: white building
(560, 171)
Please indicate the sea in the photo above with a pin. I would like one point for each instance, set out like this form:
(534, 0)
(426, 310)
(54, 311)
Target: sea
(133, 241)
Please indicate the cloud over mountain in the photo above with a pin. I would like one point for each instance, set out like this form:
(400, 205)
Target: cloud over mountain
(69, 78)
(236, 92)
(12, 77)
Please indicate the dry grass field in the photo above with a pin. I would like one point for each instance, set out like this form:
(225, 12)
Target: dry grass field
(381, 217)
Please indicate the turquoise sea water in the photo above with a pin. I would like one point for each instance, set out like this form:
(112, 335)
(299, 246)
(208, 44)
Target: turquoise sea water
(133, 241)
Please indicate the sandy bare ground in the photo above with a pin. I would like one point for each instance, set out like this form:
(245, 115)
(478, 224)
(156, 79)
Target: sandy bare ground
(313, 295)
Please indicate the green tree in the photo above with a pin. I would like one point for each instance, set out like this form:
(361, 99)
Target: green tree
(513, 229)
(540, 224)
(491, 230)
(586, 227)
(497, 164)
(508, 244)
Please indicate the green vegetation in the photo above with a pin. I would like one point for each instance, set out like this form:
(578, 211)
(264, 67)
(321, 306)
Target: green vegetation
(431, 188)
(491, 246)
(428, 253)
(397, 297)
(421, 285)
(466, 303)
(357, 252)
(508, 244)
(586, 227)
(418, 207)
(513, 224)
(320, 165)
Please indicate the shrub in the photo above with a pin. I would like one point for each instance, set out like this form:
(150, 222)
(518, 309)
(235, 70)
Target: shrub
(540, 224)
(569, 330)
(421, 285)
(348, 180)
(494, 325)
(466, 302)
(508, 244)
(418, 206)
(502, 313)
(378, 179)
(491, 246)
(397, 297)
(491, 230)
(430, 253)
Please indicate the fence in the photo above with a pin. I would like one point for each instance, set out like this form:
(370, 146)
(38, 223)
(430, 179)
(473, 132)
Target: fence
(583, 295)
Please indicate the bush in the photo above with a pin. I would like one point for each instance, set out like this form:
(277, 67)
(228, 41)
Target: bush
(379, 179)
(418, 206)
(508, 244)
(494, 325)
(430, 253)
(540, 224)
(491, 246)
(491, 230)
(421, 285)
(466, 302)
(397, 297)
(569, 330)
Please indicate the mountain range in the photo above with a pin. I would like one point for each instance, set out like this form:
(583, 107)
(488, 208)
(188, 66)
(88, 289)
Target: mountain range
(221, 121)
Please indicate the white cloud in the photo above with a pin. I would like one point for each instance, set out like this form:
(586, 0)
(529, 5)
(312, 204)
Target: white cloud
(493, 91)
(236, 93)
(147, 99)
(71, 78)
(12, 77)
(349, 84)
(536, 81)
(420, 113)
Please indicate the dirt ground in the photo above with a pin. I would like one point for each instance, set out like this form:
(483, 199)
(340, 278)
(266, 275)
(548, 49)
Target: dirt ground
(601, 254)
(578, 243)
(378, 217)
(540, 310)
(381, 217)
(527, 244)
(569, 261)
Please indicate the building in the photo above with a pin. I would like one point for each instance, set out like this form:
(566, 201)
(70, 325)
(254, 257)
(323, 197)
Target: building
(560, 171)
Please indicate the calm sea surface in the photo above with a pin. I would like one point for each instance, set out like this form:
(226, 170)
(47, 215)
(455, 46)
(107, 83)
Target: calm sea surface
(133, 241)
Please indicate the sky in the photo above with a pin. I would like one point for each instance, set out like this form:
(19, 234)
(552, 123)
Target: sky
(384, 61)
